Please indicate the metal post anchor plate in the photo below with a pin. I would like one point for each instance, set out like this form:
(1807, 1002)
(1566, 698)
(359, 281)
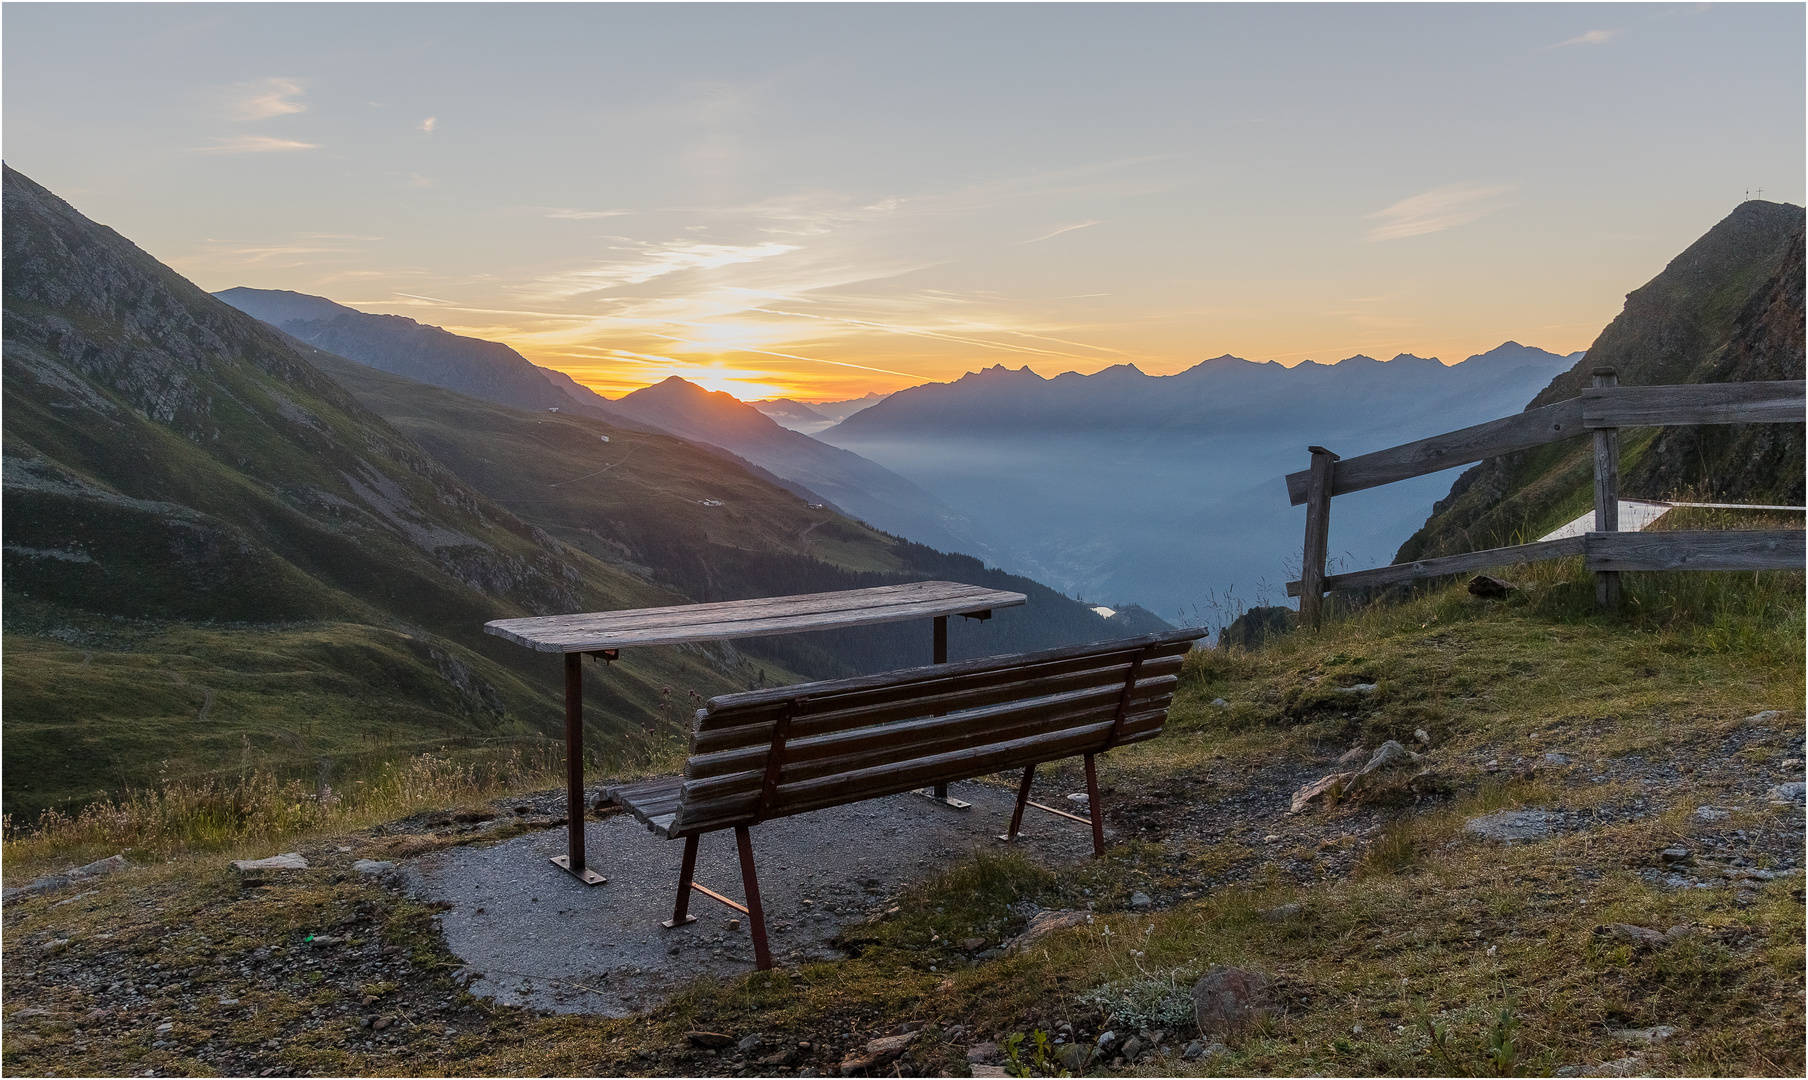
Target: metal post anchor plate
(587, 875)
(948, 800)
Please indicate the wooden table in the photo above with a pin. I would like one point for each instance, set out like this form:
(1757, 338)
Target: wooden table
(604, 633)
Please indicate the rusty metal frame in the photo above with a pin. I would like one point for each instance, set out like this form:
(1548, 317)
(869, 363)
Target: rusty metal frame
(1097, 820)
(750, 883)
(572, 862)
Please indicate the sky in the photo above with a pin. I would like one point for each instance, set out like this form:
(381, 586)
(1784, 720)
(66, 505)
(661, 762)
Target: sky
(823, 200)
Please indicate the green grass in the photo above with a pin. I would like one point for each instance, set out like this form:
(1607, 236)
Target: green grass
(1435, 954)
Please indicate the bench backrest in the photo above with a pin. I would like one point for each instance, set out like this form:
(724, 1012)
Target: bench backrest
(771, 753)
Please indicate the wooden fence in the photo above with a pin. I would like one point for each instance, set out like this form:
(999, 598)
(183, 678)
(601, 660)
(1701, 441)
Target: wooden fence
(1601, 411)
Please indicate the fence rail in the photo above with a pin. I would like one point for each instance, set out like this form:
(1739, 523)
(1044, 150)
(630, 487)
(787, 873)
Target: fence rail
(1601, 411)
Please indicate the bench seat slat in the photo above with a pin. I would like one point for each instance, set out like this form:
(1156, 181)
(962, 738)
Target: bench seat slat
(821, 716)
(732, 710)
(843, 788)
(906, 742)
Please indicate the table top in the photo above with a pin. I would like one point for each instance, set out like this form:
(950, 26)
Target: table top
(682, 623)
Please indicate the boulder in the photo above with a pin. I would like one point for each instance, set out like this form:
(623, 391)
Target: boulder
(878, 1053)
(289, 861)
(1228, 1001)
(1327, 789)
(709, 1040)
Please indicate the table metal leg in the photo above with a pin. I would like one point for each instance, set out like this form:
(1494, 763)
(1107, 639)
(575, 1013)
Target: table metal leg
(940, 791)
(572, 861)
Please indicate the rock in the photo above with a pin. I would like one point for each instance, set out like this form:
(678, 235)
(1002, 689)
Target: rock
(290, 861)
(1626, 1066)
(1554, 758)
(878, 1053)
(1045, 923)
(382, 1022)
(734, 924)
(324, 939)
(1133, 1049)
(1636, 935)
(1644, 1036)
(1214, 1050)
(1227, 1001)
(749, 1044)
(989, 1070)
(1140, 900)
(371, 866)
(1711, 814)
(1281, 913)
(1768, 716)
(1491, 588)
(1192, 1050)
(784, 1059)
(1353, 755)
(1221, 703)
(1106, 1041)
(1359, 688)
(982, 1052)
(1678, 933)
(1326, 789)
(1074, 1057)
(1419, 734)
(709, 1040)
(112, 864)
(1512, 826)
(972, 944)
(1676, 856)
(1789, 794)
(1252, 629)
(28, 1014)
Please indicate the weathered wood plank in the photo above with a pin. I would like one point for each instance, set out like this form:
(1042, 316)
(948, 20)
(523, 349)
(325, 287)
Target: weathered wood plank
(1534, 427)
(1756, 549)
(752, 727)
(1318, 536)
(904, 677)
(1453, 564)
(590, 631)
(1695, 403)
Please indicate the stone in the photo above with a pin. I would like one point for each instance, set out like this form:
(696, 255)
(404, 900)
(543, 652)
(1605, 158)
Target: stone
(990, 1070)
(1678, 933)
(1221, 703)
(1227, 1001)
(1768, 716)
(1281, 913)
(878, 1053)
(1140, 900)
(1512, 826)
(1554, 758)
(1676, 855)
(749, 1044)
(1045, 923)
(1133, 1049)
(1353, 755)
(1359, 688)
(982, 1052)
(1626, 1066)
(1327, 789)
(709, 1040)
(1214, 1050)
(1644, 1036)
(972, 944)
(290, 861)
(1192, 1050)
(1491, 588)
(1419, 734)
(1789, 794)
(1388, 755)
(1711, 814)
(1074, 1057)
(1636, 935)
(112, 864)
(371, 866)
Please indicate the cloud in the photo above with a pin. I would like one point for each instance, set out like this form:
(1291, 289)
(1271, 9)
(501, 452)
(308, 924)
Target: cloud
(254, 144)
(567, 214)
(658, 260)
(1435, 210)
(428, 124)
(264, 98)
(1593, 37)
(1062, 229)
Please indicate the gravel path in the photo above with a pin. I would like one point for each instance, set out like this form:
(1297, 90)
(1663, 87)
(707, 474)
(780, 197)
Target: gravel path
(531, 935)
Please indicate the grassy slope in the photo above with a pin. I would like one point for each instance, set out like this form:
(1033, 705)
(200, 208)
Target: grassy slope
(1404, 922)
(186, 493)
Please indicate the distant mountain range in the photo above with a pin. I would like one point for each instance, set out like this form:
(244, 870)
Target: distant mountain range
(811, 418)
(1166, 491)
(491, 371)
(1730, 308)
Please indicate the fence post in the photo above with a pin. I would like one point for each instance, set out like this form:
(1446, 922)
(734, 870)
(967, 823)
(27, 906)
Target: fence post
(1318, 537)
(1607, 495)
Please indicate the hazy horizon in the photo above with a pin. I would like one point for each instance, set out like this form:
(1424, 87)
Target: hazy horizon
(823, 201)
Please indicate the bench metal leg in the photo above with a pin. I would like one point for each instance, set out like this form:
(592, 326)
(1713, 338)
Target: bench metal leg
(756, 915)
(1094, 809)
(572, 862)
(1023, 798)
(681, 907)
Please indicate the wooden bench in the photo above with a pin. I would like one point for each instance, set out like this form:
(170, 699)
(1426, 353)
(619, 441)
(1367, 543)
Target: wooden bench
(772, 753)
